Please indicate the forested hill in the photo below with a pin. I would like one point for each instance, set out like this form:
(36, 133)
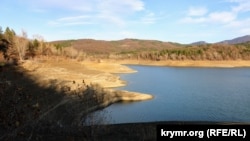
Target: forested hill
(156, 50)
(119, 46)
(137, 45)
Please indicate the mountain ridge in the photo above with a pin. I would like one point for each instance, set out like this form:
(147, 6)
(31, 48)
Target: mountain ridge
(199, 43)
(237, 40)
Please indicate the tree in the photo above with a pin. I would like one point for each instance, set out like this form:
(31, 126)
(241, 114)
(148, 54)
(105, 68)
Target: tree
(36, 43)
(1, 33)
(4, 44)
(32, 47)
(21, 45)
(58, 48)
(9, 35)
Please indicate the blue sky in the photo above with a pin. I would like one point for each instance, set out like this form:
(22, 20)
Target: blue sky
(182, 21)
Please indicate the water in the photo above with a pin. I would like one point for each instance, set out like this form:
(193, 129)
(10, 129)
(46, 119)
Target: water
(186, 94)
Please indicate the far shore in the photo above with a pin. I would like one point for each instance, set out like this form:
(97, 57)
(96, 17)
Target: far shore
(186, 63)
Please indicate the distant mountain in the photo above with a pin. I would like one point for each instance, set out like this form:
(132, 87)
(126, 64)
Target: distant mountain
(199, 43)
(238, 40)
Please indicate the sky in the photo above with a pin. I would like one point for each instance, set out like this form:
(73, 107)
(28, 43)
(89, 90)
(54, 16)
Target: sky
(182, 21)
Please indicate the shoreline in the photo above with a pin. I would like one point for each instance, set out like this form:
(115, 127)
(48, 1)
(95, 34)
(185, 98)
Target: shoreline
(186, 63)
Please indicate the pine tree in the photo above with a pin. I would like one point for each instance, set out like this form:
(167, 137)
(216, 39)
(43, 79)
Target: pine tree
(9, 35)
(1, 33)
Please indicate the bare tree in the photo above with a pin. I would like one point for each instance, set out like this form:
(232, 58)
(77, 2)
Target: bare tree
(21, 43)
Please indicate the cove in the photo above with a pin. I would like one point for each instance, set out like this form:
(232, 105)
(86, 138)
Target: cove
(185, 94)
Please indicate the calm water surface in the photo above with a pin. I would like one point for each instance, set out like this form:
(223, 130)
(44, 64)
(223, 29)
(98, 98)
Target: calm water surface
(185, 94)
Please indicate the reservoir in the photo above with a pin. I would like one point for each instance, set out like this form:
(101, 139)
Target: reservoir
(185, 94)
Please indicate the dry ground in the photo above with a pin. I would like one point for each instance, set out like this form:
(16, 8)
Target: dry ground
(71, 70)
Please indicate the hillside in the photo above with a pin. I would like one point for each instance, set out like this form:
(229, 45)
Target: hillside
(199, 43)
(237, 40)
(135, 45)
(120, 46)
(153, 50)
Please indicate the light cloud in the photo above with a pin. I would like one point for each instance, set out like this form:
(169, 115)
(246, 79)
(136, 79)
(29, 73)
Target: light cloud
(240, 26)
(58, 24)
(239, 23)
(105, 18)
(71, 21)
(149, 18)
(244, 31)
(221, 17)
(226, 20)
(39, 10)
(99, 11)
(201, 15)
(88, 5)
(98, 19)
(127, 34)
(197, 11)
(75, 18)
(193, 20)
(76, 5)
(115, 6)
(114, 11)
(243, 5)
(212, 18)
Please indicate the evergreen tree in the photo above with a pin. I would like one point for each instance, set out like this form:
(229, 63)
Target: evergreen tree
(9, 35)
(1, 33)
(36, 43)
(32, 47)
